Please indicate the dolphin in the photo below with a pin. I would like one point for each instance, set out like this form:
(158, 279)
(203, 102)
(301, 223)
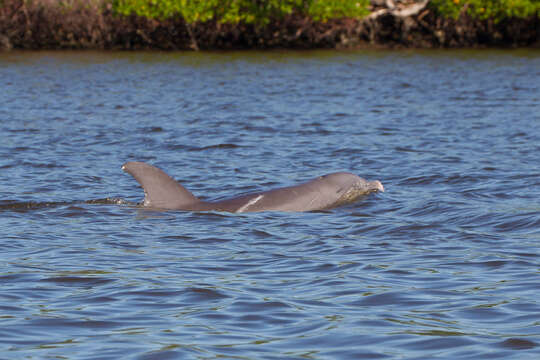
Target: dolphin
(325, 192)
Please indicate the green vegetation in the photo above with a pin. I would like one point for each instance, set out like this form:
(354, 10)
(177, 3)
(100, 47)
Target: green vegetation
(241, 11)
(245, 24)
(487, 9)
(264, 11)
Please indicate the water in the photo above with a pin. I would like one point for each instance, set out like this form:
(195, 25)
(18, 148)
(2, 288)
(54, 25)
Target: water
(444, 264)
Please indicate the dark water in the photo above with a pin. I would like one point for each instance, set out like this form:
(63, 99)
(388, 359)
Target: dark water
(445, 264)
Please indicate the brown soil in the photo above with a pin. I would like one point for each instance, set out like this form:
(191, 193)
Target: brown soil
(93, 26)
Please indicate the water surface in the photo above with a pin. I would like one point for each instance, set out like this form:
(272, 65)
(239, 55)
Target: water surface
(444, 264)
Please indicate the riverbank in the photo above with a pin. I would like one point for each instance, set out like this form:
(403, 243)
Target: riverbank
(97, 24)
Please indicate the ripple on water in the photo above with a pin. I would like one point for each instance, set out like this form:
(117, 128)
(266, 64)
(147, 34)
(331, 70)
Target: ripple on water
(444, 264)
(518, 344)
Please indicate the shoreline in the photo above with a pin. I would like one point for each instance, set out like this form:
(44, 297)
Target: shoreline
(40, 27)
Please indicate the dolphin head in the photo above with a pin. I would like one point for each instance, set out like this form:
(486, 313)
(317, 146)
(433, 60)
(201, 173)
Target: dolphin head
(349, 187)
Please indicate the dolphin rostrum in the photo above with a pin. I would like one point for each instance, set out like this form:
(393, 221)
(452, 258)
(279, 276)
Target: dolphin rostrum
(325, 192)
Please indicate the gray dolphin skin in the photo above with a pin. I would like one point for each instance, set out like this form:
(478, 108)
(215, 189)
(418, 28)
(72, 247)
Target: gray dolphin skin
(325, 192)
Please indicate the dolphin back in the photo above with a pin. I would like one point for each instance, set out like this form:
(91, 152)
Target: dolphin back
(160, 190)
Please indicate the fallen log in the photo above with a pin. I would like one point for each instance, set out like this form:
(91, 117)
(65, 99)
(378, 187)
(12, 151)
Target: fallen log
(399, 12)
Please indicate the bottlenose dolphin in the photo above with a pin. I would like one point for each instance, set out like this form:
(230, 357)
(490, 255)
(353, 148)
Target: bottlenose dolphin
(325, 192)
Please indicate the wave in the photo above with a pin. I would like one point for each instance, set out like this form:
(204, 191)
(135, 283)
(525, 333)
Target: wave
(23, 206)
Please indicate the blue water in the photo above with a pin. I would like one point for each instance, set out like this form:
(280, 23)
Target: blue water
(444, 264)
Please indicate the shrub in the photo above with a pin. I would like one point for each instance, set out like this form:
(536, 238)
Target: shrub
(487, 9)
(241, 11)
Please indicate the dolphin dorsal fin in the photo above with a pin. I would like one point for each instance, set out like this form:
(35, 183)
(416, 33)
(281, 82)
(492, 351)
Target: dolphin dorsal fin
(160, 190)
